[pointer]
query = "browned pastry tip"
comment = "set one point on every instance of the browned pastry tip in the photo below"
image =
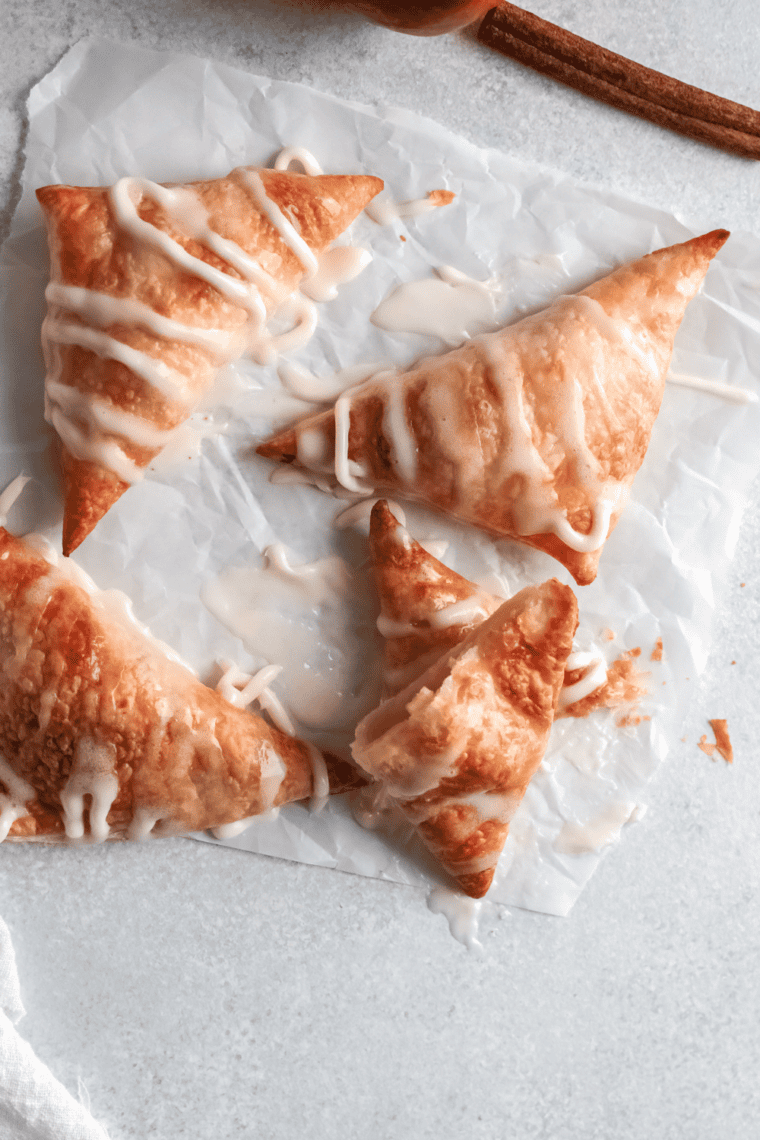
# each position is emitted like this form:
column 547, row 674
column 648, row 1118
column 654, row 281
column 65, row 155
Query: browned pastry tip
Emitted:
column 89, row 491
column 414, row 588
column 513, row 432
column 282, row 447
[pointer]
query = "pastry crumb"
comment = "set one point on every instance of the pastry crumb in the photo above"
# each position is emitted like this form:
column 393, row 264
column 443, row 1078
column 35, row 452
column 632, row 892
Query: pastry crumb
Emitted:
column 722, row 740
column 656, row 654
column 401, row 236
column 625, row 685
column 607, row 634
column 707, row 747
column 441, row 197
column 630, row 720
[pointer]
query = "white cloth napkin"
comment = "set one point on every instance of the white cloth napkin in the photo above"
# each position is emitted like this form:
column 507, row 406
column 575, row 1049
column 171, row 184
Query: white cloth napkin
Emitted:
column 33, row 1104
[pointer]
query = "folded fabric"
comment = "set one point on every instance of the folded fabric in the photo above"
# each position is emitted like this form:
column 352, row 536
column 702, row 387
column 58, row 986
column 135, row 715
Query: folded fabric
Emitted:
column 33, row 1104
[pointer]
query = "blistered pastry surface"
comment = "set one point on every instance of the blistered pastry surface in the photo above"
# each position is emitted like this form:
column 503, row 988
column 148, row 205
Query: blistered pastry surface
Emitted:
column 472, row 731
column 89, row 704
column 553, row 237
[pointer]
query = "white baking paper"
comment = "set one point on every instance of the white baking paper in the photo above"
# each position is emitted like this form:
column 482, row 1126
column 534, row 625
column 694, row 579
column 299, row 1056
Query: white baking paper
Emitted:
column 110, row 110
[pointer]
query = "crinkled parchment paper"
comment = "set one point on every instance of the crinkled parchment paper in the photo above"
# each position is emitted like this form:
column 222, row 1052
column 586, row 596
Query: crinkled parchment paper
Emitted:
column 107, row 111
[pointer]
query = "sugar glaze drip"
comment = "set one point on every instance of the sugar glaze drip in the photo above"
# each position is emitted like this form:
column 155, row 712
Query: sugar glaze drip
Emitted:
column 89, row 314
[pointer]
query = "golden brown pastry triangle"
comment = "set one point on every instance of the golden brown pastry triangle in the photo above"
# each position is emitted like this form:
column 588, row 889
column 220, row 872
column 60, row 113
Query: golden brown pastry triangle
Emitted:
column 103, row 734
column 535, row 432
column 152, row 289
column 457, row 748
column 425, row 607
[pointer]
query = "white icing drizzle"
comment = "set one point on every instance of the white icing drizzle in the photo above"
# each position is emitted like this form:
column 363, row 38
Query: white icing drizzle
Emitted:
column 435, row 546
column 92, row 774
column 390, row 628
column 335, row 267
column 601, row 513
column 13, row 802
column 452, row 307
column 48, row 697
column 290, row 154
column 265, row 348
column 185, row 209
column 312, row 450
column 593, row 679
column 103, row 416
column 314, row 619
column 499, row 806
column 230, row 830
column 371, row 807
column 610, row 329
column 229, row 684
column 460, row 613
column 360, row 512
column 296, row 476
column 255, row 688
column 87, row 446
column 271, row 704
column 143, row 821
column 714, row 387
column 304, row 385
column 321, row 781
column 101, row 309
column 386, row 211
column 285, row 228
column 462, row 914
column 273, row 772
column 346, row 471
column 463, row 612
column 397, row 429
column 154, row 372
column 537, row 511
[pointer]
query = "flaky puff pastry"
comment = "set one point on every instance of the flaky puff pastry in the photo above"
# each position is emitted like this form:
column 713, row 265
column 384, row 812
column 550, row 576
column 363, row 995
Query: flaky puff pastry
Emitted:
column 104, row 735
column 152, row 289
column 425, row 607
column 457, row 748
column 535, row 432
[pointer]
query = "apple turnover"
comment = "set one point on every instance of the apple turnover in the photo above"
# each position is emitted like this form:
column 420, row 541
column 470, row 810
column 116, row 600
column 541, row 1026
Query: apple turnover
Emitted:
column 534, row 432
column 426, row 608
column 152, row 289
column 457, row 748
column 104, row 734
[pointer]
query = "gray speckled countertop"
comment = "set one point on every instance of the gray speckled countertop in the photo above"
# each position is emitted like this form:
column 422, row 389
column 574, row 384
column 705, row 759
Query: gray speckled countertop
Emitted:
column 204, row 993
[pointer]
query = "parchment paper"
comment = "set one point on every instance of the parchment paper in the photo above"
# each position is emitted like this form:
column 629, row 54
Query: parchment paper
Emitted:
column 110, row 110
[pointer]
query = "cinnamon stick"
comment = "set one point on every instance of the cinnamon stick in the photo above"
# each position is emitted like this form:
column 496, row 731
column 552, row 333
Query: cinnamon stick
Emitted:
column 621, row 82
